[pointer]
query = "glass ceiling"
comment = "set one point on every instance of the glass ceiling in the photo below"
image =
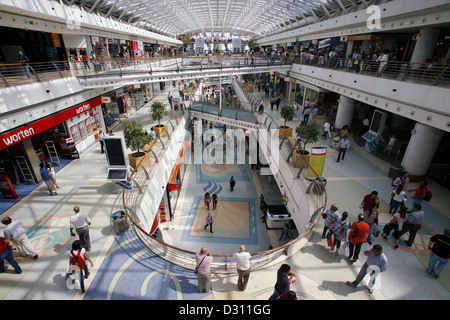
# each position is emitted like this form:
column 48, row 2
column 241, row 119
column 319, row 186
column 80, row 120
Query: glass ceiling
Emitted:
column 243, row 18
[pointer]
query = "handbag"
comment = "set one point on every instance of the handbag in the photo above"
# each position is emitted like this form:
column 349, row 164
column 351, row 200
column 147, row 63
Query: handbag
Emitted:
column 196, row 268
column 330, row 241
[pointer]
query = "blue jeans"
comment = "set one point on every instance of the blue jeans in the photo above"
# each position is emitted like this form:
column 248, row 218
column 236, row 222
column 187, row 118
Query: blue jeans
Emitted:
column 8, row 255
column 434, row 259
column 26, row 69
column 369, row 238
column 395, row 205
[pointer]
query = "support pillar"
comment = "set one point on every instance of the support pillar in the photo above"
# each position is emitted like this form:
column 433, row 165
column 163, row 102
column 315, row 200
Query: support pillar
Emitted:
column 425, row 45
column 344, row 113
column 421, row 149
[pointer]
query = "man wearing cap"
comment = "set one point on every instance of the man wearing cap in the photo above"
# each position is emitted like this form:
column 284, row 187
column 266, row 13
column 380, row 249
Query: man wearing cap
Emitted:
column 14, row 231
column 439, row 245
column 375, row 264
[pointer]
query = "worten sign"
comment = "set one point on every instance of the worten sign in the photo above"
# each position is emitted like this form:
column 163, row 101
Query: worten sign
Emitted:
column 27, row 131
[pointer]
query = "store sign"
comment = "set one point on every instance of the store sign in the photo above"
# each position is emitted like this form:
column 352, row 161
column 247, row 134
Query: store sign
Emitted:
column 27, row 131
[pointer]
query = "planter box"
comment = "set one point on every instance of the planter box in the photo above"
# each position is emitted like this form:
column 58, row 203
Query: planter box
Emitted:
column 161, row 131
column 285, row 132
column 300, row 160
column 136, row 160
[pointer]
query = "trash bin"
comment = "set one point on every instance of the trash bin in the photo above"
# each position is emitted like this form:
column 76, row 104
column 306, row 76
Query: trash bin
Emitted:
column 395, row 170
column 119, row 221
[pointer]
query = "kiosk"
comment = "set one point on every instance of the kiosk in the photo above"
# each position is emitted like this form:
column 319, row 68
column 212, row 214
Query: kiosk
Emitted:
column 277, row 216
column 373, row 136
column 118, row 165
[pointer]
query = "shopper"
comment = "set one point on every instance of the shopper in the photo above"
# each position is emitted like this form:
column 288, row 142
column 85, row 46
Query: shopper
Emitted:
column 232, row 183
column 344, row 145
column 369, row 201
column 283, row 284
column 215, row 199
column 101, row 139
column 77, row 262
column 439, row 245
column 47, row 179
column 398, row 198
column 357, row 236
column 243, row 267
column 420, row 194
column 395, row 224
column 24, row 60
column 376, row 263
column 209, row 222
column 203, row 261
column 339, row 231
column 81, row 222
column 371, row 218
column 51, row 170
column 330, row 216
column 6, row 253
column 14, row 231
column 326, row 130
column 207, row 200
column 413, row 224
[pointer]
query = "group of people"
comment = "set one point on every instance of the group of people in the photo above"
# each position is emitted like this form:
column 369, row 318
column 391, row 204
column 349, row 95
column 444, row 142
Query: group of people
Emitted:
column 15, row 238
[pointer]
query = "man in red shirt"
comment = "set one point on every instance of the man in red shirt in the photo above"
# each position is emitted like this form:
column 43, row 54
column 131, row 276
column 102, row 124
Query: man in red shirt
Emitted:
column 357, row 236
column 6, row 253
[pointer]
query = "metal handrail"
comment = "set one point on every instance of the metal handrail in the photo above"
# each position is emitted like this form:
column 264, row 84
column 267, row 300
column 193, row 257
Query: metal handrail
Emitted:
column 222, row 262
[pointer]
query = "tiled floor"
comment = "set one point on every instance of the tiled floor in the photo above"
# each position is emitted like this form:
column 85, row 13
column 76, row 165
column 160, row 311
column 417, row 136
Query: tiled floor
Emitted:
column 125, row 269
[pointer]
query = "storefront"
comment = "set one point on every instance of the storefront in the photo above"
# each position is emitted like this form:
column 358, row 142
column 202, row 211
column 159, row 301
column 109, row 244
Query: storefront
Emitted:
column 63, row 135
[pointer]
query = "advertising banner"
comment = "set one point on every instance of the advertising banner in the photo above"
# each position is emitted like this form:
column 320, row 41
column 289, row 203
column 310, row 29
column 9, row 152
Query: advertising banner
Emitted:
column 317, row 162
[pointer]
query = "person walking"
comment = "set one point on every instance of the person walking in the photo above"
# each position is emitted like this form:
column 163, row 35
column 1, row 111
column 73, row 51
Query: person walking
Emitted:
column 370, row 218
column 81, row 222
column 330, row 216
column 47, row 179
column 420, row 194
column 203, row 261
column 376, row 263
column 14, row 231
column 77, row 262
column 207, row 200
column 413, row 224
column 215, row 199
column 357, row 236
column 339, row 231
column 326, row 130
column 283, row 284
column 24, row 60
column 6, row 253
column 243, row 267
column 439, row 246
column 344, row 145
column 398, row 198
column 101, row 138
column 369, row 201
column 209, row 222
column 232, row 183
column 395, row 224
column 51, row 170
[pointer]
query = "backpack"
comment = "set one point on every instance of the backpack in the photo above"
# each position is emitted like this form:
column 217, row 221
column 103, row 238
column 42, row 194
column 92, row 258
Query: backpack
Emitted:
column 401, row 178
column 77, row 260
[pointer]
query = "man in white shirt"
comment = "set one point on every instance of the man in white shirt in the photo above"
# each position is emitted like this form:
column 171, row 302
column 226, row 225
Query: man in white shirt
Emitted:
column 81, row 222
column 243, row 267
column 344, row 144
column 152, row 134
column 326, row 130
column 15, row 232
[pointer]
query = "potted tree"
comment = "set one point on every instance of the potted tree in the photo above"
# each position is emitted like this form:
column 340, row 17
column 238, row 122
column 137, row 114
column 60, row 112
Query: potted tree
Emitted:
column 306, row 133
column 158, row 112
column 287, row 113
column 135, row 139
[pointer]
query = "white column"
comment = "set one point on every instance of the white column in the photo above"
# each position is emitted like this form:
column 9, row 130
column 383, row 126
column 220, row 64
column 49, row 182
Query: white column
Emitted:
column 425, row 45
column 421, row 149
column 344, row 113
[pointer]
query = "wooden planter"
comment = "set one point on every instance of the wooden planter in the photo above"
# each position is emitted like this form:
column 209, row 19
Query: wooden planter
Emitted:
column 161, row 130
column 136, row 158
column 301, row 160
column 285, row 132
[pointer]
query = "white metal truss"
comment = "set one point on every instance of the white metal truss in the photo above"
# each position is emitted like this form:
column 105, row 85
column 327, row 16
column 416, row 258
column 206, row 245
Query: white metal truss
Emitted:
column 248, row 18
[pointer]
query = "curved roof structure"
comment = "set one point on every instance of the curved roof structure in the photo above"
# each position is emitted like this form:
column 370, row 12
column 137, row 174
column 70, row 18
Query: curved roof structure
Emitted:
column 247, row 18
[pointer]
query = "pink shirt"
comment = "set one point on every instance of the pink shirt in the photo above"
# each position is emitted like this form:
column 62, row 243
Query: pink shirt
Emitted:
column 205, row 265
column 399, row 221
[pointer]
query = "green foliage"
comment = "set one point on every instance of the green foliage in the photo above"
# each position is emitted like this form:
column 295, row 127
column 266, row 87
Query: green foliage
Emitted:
column 158, row 111
column 287, row 113
column 308, row 133
column 135, row 136
column 252, row 43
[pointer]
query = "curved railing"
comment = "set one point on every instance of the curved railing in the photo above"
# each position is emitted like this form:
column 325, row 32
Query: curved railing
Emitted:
column 223, row 263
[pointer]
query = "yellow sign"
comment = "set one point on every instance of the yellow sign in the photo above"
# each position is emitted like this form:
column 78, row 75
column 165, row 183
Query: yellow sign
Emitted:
column 317, row 161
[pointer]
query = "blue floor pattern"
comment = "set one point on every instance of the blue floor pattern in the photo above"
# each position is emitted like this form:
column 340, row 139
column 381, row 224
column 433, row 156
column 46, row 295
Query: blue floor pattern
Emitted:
column 132, row 272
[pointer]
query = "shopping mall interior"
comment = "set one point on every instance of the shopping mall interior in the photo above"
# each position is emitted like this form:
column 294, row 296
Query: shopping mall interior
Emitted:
column 279, row 110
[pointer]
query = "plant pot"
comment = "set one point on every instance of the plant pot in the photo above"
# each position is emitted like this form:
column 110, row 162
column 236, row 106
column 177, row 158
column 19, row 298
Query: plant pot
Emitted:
column 301, row 158
column 285, row 132
column 161, row 130
column 136, row 158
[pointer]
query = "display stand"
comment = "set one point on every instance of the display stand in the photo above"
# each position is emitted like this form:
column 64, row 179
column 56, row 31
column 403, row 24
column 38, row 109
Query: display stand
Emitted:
column 118, row 164
column 373, row 136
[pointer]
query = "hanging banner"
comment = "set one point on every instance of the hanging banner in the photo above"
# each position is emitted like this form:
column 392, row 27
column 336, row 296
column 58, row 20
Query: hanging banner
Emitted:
column 317, row 162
